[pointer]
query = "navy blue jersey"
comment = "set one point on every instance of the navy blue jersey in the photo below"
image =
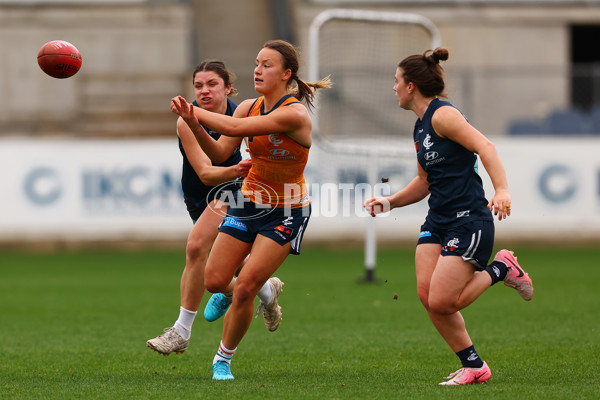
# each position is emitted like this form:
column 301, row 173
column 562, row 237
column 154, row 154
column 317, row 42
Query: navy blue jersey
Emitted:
column 196, row 194
column 457, row 194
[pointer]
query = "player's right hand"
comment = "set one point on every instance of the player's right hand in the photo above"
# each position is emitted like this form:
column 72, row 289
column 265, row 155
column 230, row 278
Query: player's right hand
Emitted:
column 185, row 110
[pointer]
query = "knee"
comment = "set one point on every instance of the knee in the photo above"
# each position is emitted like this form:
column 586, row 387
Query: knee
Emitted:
column 423, row 294
column 215, row 284
column 196, row 249
column 441, row 306
column 244, row 291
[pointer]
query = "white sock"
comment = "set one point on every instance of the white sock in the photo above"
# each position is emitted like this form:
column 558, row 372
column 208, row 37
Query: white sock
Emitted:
column 265, row 294
column 185, row 322
column 224, row 354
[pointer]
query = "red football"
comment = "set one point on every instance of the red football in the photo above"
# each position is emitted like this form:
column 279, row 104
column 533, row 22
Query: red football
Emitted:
column 59, row 59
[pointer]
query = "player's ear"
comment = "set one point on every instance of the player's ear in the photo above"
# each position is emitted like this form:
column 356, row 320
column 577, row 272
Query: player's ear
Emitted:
column 287, row 74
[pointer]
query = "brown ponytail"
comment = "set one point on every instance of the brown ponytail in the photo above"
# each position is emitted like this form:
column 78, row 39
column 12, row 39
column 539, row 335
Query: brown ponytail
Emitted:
column 305, row 90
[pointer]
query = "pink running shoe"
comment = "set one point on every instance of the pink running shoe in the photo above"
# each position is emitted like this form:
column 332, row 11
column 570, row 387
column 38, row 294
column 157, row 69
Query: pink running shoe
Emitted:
column 466, row 376
column 515, row 278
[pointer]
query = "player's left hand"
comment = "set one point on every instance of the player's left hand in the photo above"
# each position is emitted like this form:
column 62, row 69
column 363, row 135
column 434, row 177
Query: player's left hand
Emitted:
column 500, row 204
column 243, row 167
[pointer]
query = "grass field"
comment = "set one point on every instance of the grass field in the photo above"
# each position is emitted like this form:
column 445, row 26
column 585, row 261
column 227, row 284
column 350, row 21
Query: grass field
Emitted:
column 74, row 326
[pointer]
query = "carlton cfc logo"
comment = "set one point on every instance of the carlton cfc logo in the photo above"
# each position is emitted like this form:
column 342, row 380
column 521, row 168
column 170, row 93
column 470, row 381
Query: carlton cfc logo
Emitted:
column 452, row 244
column 427, row 143
column 274, row 138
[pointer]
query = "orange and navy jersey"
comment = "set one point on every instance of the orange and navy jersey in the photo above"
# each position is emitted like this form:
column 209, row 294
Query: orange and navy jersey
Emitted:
column 277, row 174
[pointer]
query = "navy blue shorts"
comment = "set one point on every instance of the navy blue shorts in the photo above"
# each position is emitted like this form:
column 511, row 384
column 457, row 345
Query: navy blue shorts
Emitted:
column 473, row 241
column 283, row 225
column 197, row 203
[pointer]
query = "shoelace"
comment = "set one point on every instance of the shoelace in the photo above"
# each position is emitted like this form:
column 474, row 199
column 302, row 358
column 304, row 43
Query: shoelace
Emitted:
column 222, row 368
column 455, row 374
column 223, row 302
column 170, row 331
column 262, row 307
column 259, row 309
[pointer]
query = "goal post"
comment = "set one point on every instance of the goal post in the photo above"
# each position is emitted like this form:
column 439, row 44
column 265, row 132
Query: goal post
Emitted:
column 343, row 14
column 359, row 117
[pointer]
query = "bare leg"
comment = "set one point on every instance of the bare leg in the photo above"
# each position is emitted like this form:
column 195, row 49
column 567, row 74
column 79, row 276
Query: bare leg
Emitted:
column 454, row 284
column 227, row 254
column 199, row 243
column 446, row 285
column 265, row 258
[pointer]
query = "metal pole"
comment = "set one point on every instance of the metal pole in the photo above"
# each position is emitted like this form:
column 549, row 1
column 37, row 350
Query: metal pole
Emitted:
column 371, row 231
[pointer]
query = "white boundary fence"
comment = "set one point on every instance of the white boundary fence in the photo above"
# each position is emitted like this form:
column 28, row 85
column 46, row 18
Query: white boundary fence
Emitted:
column 96, row 190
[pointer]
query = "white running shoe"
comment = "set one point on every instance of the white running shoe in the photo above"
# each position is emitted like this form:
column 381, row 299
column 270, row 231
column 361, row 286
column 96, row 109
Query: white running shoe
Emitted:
column 169, row 342
column 272, row 311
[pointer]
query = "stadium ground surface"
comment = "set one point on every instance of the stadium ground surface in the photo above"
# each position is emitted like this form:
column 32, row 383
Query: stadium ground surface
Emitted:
column 73, row 325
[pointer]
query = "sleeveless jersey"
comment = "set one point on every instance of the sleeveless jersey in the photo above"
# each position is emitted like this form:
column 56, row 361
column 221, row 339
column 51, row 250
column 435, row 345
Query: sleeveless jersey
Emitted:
column 456, row 190
column 196, row 192
column 276, row 178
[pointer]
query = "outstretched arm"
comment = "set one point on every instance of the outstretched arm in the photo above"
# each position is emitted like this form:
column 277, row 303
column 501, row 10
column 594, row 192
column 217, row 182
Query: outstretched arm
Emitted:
column 292, row 120
column 217, row 150
column 202, row 165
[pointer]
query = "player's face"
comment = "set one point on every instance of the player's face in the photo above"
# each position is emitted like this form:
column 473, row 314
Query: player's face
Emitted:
column 211, row 92
column 269, row 73
column 401, row 87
